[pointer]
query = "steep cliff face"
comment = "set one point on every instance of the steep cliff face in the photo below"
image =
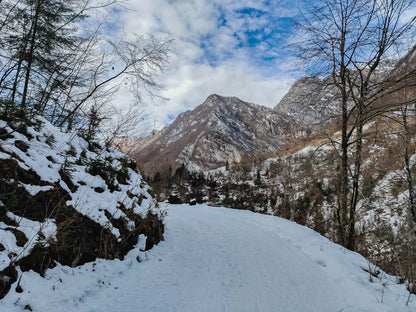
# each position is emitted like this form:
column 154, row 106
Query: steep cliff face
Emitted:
column 315, row 102
column 221, row 130
column 311, row 101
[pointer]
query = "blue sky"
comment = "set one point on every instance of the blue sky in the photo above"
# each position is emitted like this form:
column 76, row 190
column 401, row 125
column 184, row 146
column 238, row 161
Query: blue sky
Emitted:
column 228, row 47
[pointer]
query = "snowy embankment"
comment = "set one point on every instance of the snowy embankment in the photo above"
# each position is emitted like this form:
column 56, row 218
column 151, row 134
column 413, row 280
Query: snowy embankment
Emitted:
column 65, row 200
column 217, row 259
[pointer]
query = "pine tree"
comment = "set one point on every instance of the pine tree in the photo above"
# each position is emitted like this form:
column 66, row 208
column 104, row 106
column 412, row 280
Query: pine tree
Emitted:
column 40, row 44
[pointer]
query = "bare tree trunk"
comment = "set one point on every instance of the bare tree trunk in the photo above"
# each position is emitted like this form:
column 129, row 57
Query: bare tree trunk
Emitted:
column 344, row 172
column 355, row 187
column 34, row 29
column 342, row 86
column 16, row 79
column 407, row 166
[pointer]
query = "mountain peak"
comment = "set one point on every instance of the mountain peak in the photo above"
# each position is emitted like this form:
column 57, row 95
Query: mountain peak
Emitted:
column 220, row 99
column 214, row 97
column 217, row 97
column 221, row 130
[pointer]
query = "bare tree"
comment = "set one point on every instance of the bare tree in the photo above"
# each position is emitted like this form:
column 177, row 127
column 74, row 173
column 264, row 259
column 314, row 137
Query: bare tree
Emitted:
column 136, row 62
column 400, row 96
column 408, row 131
column 51, row 63
column 348, row 40
column 125, row 123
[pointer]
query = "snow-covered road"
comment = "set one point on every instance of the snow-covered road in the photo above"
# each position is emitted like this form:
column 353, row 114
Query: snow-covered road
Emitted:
column 217, row 259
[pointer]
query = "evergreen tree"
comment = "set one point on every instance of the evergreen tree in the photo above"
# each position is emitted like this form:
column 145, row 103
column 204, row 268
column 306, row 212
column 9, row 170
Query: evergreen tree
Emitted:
column 39, row 48
column 57, row 63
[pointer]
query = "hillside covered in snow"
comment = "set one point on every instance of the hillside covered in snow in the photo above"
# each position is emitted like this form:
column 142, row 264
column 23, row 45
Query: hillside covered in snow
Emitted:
column 65, row 201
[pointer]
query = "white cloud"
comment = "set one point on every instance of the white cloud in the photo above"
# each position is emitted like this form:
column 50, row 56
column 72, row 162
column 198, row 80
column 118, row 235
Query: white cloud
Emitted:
column 190, row 85
column 209, row 52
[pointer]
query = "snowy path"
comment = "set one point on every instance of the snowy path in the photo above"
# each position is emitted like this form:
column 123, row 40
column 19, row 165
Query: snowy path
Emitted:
column 219, row 262
column 217, row 259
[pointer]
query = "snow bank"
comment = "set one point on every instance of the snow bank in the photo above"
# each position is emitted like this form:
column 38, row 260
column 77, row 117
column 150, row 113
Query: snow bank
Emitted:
column 67, row 199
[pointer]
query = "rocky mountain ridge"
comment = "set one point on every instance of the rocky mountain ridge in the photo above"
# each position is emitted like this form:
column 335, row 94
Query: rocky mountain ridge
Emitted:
column 313, row 102
column 310, row 101
column 221, row 130
column 225, row 130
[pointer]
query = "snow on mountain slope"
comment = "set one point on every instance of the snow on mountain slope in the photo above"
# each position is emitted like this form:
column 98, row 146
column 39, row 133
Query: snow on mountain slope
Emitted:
column 217, row 259
column 315, row 102
column 222, row 129
column 311, row 102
